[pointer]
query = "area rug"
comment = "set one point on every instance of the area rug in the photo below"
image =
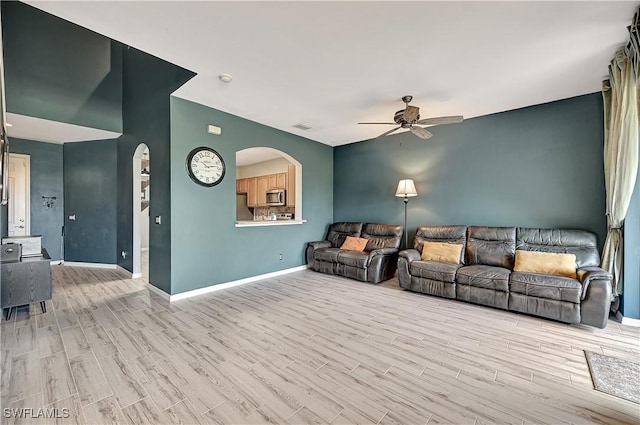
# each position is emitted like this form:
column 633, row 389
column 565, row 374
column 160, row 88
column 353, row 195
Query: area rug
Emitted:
column 615, row 376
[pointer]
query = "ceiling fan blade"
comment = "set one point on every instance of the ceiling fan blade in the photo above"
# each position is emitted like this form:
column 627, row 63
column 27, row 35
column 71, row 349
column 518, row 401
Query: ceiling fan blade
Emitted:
column 411, row 113
column 386, row 123
column 386, row 133
column 454, row 119
column 422, row 133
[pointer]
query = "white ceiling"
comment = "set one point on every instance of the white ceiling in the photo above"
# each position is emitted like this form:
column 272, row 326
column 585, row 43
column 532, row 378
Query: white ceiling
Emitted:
column 332, row 64
column 41, row 130
column 255, row 155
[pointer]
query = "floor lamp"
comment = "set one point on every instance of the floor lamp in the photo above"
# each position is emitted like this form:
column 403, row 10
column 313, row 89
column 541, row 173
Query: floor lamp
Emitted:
column 406, row 189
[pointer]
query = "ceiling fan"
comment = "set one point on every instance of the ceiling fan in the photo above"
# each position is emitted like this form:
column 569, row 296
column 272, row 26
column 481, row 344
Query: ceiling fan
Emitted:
column 409, row 117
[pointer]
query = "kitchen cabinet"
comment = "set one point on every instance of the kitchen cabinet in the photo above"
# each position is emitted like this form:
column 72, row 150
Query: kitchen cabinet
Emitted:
column 291, row 186
column 281, row 181
column 263, row 186
column 252, row 192
column 272, row 181
column 241, row 185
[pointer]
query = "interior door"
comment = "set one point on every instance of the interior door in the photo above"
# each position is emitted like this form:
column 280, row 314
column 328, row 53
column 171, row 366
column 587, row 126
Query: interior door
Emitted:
column 19, row 193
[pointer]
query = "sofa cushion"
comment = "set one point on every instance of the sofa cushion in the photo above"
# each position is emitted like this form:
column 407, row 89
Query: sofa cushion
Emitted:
column 339, row 231
column 434, row 270
column 354, row 244
column 354, row 259
column 329, row 255
column 442, row 252
column 579, row 242
column 448, row 234
column 488, row 277
column 381, row 236
column 556, row 264
column 545, row 286
column 491, row 246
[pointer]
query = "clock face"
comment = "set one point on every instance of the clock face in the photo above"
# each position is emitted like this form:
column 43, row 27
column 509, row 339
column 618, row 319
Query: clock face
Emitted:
column 205, row 166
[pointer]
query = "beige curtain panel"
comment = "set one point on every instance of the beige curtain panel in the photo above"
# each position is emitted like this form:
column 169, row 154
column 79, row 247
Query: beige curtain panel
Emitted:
column 620, row 95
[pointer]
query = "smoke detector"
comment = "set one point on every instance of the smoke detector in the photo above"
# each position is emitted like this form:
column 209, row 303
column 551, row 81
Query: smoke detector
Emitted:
column 302, row 127
column 225, row 78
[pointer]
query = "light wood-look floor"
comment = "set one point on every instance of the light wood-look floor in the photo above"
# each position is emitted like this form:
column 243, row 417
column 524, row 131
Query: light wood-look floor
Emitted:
column 301, row 348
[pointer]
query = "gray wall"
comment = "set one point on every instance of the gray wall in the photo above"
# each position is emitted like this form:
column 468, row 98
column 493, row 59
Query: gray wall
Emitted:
column 540, row 166
column 630, row 306
column 90, row 188
column 148, row 83
column 206, row 246
column 60, row 71
column 46, row 180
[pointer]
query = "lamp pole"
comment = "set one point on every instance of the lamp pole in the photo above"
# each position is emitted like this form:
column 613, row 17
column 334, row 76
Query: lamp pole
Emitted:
column 406, row 231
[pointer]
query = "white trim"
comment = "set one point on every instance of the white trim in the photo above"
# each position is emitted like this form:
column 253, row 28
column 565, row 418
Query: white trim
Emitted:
column 221, row 286
column 268, row 223
column 27, row 189
column 159, row 292
column 96, row 265
column 57, row 262
column 144, row 249
column 630, row 321
column 135, row 275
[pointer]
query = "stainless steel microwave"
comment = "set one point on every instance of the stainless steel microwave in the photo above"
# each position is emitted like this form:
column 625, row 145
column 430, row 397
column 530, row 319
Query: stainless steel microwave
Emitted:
column 276, row 197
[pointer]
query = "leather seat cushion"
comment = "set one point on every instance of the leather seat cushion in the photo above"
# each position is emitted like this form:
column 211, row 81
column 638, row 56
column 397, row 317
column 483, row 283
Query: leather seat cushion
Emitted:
column 434, row 270
column 546, row 286
column 354, row 259
column 488, row 277
column 329, row 255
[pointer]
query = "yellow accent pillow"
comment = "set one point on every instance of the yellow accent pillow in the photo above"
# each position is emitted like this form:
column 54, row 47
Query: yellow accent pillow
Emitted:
column 546, row 263
column 354, row 244
column 442, row 252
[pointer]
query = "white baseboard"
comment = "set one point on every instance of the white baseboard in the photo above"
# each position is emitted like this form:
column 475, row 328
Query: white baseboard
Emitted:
column 630, row 322
column 159, row 292
column 56, row 262
column 221, row 286
column 94, row 265
column 135, row 275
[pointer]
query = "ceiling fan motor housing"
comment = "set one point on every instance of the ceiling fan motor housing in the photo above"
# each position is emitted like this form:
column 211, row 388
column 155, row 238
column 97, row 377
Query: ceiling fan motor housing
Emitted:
column 408, row 116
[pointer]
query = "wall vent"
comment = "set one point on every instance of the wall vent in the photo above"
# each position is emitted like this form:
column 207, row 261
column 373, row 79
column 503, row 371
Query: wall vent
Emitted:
column 302, row 127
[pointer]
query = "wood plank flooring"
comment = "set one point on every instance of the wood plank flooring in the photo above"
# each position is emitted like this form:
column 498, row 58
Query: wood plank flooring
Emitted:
column 301, row 348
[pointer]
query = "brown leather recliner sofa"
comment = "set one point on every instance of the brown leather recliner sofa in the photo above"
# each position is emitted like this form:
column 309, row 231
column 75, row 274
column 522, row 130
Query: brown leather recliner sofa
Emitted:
column 378, row 262
column 485, row 274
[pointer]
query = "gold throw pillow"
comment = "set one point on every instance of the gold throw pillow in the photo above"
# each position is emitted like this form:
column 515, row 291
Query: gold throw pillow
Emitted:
column 442, row 252
column 546, row 263
column 354, row 244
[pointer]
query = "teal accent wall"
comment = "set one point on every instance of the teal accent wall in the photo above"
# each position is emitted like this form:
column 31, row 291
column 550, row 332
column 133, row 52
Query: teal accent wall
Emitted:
column 630, row 305
column 540, row 166
column 90, row 194
column 207, row 247
column 148, row 84
column 46, row 180
column 60, row 71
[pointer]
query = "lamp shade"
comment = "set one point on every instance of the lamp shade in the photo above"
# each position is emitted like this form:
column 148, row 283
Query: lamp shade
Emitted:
column 406, row 189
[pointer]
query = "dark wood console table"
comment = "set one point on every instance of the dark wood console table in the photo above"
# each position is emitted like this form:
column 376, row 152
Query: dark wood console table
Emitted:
column 24, row 282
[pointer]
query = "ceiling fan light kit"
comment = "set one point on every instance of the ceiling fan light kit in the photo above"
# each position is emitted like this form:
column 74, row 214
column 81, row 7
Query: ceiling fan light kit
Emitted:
column 409, row 117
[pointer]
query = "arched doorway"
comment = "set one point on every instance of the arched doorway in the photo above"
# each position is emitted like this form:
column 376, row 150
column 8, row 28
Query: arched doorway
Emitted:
column 141, row 200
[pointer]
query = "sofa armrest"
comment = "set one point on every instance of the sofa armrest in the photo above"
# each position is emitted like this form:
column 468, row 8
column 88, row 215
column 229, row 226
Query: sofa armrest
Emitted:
column 311, row 248
column 383, row 251
column 587, row 275
column 410, row 255
column 319, row 244
column 405, row 258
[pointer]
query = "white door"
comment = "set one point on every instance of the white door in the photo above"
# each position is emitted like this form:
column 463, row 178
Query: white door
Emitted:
column 19, row 193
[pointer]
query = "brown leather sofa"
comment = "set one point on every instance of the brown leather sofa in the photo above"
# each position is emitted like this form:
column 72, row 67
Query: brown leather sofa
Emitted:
column 485, row 274
column 378, row 262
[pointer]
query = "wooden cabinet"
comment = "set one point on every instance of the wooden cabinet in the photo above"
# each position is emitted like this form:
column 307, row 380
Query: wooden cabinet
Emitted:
column 25, row 282
column 252, row 192
column 241, row 185
column 263, row 186
column 272, row 181
column 281, row 181
column 291, row 186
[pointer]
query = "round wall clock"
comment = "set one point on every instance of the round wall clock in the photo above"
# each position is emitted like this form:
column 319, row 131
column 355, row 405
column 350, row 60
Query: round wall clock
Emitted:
column 205, row 166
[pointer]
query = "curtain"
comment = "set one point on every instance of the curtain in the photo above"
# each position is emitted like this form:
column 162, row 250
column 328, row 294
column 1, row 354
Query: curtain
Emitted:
column 620, row 96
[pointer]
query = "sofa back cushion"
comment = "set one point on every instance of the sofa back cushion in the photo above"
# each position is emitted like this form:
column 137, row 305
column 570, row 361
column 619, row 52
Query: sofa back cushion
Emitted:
column 382, row 236
column 447, row 234
column 491, row 246
column 339, row 231
column 579, row 242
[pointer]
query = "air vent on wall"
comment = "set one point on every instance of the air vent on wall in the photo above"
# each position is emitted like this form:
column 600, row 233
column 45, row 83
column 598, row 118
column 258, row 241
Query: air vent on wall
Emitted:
column 302, row 127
